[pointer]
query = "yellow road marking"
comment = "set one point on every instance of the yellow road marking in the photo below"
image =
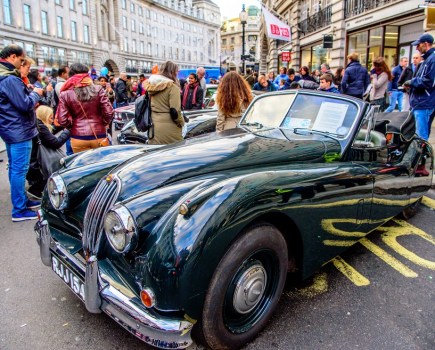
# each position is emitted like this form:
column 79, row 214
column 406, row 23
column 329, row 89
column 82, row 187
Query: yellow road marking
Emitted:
column 428, row 202
column 319, row 286
column 405, row 229
column 336, row 243
column 390, row 260
column 353, row 275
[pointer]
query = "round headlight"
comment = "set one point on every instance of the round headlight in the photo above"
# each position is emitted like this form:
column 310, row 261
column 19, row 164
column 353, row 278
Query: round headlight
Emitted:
column 57, row 192
column 120, row 229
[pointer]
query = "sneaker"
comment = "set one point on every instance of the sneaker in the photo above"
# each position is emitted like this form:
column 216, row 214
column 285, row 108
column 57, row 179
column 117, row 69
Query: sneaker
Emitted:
column 33, row 204
column 37, row 196
column 24, row 215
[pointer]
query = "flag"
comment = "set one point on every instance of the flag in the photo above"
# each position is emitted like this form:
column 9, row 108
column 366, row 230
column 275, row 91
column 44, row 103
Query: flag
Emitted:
column 276, row 29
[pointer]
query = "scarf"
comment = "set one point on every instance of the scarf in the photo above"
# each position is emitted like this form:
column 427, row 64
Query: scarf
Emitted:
column 378, row 71
column 186, row 94
column 77, row 81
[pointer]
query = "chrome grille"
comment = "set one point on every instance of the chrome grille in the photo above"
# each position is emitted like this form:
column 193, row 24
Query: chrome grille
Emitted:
column 102, row 200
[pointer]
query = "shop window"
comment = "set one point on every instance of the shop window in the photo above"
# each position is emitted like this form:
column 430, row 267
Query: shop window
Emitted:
column 391, row 36
column 390, row 56
column 375, row 37
column 374, row 52
column 358, row 43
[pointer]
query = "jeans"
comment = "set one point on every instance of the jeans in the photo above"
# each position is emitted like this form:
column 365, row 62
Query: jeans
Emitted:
column 423, row 122
column 19, row 160
column 395, row 96
column 68, row 147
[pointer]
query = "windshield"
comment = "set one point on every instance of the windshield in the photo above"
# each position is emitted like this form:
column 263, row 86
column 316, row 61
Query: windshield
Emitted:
column 317, row 112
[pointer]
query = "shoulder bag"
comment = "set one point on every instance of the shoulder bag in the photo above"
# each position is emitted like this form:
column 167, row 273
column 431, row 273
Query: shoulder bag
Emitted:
column 49, row 159
column 101, row 143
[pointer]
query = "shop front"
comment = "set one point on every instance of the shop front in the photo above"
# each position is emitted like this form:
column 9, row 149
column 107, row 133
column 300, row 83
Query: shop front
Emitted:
column 314, row 55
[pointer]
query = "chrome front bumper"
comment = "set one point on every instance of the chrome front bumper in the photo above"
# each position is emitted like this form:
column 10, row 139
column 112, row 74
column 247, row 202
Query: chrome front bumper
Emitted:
column 100, row 296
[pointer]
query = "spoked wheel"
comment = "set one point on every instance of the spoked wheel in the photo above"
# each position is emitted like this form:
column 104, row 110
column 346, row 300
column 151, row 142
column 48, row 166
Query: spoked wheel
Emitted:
column 244, row 289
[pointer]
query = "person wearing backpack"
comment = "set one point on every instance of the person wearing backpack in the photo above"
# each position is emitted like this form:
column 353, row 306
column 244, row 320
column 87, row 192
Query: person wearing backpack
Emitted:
column 164, row 92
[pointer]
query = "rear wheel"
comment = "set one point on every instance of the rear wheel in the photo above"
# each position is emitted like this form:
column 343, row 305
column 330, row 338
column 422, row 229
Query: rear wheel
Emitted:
column 244, row 289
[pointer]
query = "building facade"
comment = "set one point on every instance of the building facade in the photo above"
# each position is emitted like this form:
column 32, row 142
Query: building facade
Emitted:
column 370, row 27
column 122, row 35
column 232, row 41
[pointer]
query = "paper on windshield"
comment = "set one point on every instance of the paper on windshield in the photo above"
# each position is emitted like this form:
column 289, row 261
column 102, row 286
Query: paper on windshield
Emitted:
column 330, row 117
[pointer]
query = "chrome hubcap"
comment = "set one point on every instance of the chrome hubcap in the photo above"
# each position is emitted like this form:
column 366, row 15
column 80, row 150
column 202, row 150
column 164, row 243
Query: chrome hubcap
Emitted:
column 249, row 289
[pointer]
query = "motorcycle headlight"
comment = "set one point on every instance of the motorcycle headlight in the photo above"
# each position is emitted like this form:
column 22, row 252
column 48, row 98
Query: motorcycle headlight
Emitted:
column 120, row 229
column 57, row 192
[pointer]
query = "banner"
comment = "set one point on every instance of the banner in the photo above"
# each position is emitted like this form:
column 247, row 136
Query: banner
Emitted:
column 276, row 29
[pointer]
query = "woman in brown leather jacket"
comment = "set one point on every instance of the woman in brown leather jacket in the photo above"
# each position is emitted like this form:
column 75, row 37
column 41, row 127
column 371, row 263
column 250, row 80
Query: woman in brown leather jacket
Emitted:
column 85, row 109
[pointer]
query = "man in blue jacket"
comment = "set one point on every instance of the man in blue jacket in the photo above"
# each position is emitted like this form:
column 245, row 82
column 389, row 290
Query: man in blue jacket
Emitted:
column 356, row 79
column 422, row 87
column 396, row 95
column 17, row 128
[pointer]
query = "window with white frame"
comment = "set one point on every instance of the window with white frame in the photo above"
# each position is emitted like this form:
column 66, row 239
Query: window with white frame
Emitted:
column 72, row 4
column 59, row 26
column 133, row 25
column 86, row 34
column 141, row 28
column 142, row 48
column 133, row 46
column 27, row 17
column 139, row 10
column 7, row 11
column 73, row 30
column 44, row 22
column 85, row 7
column 124, row 4
column 124, row 22
column 132, row 7
column 149, row 49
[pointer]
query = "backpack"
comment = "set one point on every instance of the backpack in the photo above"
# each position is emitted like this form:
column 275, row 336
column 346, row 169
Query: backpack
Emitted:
column 142, row 115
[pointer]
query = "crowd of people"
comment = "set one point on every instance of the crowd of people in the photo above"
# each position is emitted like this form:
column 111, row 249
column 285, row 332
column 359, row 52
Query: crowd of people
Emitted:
column 81, row 104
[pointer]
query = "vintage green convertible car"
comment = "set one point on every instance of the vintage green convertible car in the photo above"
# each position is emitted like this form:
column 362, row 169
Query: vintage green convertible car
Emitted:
column 198, row 237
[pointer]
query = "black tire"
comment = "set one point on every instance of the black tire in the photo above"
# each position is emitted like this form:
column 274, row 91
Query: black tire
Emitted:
column 257, row 262
column 411, row 210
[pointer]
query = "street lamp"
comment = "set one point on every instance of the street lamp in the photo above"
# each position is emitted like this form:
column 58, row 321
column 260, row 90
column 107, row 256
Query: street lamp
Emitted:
column 243, row 19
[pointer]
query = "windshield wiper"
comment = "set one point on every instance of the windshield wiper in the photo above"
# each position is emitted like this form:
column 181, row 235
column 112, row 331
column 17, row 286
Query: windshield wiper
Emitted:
column 306, row 131
column 257, row 124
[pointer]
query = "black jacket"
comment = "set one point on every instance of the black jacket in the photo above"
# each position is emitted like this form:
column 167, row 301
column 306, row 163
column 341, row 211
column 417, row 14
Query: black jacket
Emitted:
column 121, row 91
column 406, row 75
column 48, row 139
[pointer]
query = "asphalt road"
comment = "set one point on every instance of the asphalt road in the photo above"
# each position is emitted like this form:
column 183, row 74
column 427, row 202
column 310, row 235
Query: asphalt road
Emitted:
column 378, row 295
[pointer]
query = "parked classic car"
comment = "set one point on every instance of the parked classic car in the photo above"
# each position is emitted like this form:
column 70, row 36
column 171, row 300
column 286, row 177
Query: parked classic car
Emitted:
column 198, row 237
column 124, row 114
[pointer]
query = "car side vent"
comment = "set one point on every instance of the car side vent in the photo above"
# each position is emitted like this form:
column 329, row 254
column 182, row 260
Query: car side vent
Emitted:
column 102, row 200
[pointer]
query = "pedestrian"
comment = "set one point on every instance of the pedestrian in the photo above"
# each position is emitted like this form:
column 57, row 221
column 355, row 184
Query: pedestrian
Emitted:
column 315, row 74
column 282, row 84
column 282, row 75
column 35, row 78
column 292, row 77
column 264, row 85
column 200, row 72
column 338, row 76
column 130, row 90
column 121, row 93
column 25, row 70
column 422, row 89
column 356, row 78
column 380, row 76
column 193, row 96
column 140, row 89
column 165, row 105
column 407, row 74
column 17, row 128
column 85, row 109
column 233, row 97
column 271, row 76
column 104, row 82
column 396, row 95
column 44, row 115
column 326, row 84
column 325, row 69
column 250, row 77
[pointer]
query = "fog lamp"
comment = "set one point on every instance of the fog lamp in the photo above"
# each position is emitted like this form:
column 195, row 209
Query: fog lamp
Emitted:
column 147, row 297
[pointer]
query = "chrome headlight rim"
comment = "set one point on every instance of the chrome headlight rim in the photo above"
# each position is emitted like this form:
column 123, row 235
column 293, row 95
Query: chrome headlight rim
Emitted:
column 125, row 219
column 59, row 190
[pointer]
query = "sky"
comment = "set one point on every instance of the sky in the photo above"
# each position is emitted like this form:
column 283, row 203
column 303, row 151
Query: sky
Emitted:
column 232, row 8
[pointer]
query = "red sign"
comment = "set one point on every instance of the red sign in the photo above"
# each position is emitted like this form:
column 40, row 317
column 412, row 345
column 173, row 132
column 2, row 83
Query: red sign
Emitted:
column 285, row 32
column 274, row 29
column 286, row 56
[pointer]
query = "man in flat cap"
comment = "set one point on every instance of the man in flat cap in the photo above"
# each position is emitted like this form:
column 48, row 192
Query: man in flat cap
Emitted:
column 422, row 86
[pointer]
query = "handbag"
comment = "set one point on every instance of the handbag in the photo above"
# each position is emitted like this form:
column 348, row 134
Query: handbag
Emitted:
column 49, row 159
column 142, row 115
column 101, row 143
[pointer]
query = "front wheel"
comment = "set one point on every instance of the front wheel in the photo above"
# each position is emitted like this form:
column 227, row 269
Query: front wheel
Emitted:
column 245, row 288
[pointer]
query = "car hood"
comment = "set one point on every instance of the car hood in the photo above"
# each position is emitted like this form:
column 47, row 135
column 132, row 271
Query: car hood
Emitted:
column 224, row 152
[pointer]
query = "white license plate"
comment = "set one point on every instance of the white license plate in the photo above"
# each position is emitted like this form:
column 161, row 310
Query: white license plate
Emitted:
column 68, row 277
